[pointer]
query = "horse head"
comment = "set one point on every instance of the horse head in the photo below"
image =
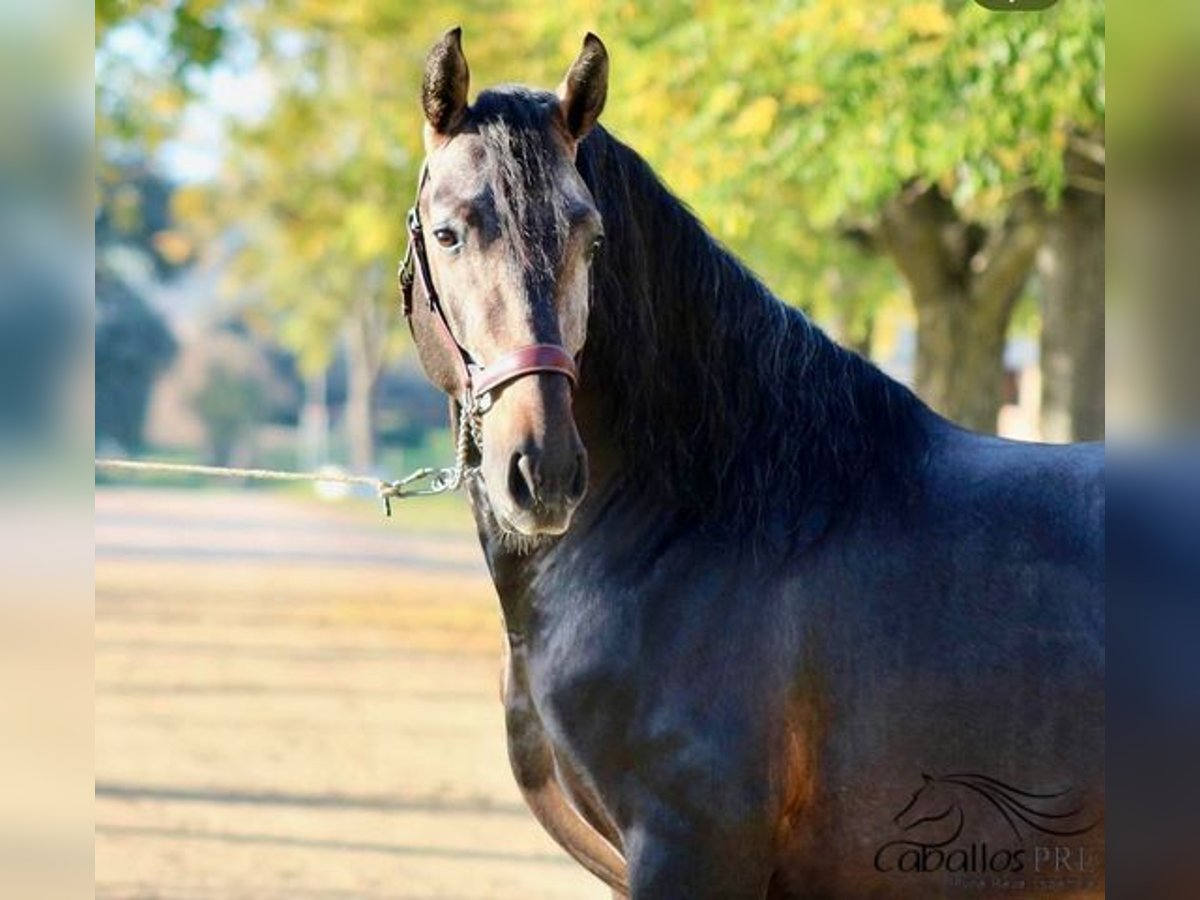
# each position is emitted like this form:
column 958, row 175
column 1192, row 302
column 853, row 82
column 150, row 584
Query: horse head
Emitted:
column 509, row 230
column 933, row 801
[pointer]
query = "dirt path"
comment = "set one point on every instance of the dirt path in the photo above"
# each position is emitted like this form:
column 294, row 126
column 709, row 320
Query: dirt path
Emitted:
column 294, row 700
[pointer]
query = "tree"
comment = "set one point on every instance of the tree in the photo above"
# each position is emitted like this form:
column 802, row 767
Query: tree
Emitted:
column 133, row 346
column 965, row 280
column 789, row 124
column 136, row 245
column 786, row 125
column 148, row 54
column 230, row 403
column 1071, row 266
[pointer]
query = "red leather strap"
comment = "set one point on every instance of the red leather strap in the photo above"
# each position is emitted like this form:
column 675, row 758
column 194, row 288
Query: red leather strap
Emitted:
column 519, row 363
column 453, row 347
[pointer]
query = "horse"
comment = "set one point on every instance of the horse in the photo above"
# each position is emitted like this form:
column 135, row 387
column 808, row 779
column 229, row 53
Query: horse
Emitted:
column 750, row 585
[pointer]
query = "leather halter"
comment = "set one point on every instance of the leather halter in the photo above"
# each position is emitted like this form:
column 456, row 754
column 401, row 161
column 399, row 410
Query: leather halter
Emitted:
column 477, row 381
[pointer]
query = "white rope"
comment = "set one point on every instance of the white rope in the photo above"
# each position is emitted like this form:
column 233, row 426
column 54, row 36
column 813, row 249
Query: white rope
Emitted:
column 130, row 465
column 442, row 479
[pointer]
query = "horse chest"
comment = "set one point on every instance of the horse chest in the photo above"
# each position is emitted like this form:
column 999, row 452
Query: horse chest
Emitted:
column 646, row 689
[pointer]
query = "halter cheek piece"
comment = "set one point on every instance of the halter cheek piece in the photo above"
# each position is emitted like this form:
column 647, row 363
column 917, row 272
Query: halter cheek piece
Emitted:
column 477, row 381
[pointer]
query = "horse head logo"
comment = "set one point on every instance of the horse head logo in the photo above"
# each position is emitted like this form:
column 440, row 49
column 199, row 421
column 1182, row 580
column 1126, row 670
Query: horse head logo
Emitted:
column 932, row 803
column 938, row 807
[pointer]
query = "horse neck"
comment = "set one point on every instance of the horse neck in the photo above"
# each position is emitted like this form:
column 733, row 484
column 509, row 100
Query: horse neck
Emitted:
column 700, row 380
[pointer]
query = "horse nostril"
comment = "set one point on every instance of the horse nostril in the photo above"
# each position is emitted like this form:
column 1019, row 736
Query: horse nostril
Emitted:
column 535, row 487
column 579, row 479
column 522, row 480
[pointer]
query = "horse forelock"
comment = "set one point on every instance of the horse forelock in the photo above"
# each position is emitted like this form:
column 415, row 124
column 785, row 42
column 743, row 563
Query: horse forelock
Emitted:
column 522, row 168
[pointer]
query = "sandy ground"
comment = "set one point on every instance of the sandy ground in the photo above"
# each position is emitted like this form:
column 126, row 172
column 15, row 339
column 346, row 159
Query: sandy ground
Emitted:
column 297, row 699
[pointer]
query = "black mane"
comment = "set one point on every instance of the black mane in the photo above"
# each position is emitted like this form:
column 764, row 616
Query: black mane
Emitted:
column 722, row 399
column 729, row 398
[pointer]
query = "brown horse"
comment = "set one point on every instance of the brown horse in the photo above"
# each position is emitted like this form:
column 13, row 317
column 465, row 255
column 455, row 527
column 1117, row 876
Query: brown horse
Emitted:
column 752, row 588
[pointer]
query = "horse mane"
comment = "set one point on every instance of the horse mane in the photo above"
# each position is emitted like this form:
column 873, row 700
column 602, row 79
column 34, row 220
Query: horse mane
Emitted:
column 726, row 396
column 719, row 397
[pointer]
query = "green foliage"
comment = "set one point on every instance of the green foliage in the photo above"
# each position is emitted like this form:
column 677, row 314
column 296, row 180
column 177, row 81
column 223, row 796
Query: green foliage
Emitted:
column 779, row 122
column 148, row 54
column 230, row 404
column 194, row 30
column 135, row 236
column 134, row 211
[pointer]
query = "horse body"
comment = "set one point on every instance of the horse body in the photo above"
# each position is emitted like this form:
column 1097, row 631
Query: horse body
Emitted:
column 754, row 721
column 739, row 711
column 790, row 587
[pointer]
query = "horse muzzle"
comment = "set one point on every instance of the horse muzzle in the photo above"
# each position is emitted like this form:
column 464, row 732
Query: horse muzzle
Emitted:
column 534, row 463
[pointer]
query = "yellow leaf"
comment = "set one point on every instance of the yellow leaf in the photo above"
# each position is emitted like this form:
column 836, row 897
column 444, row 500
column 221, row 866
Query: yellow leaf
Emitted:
column 172, row 246
column 188, row 203
column 369, row 227
column 925, row 20
column 724, row 98
column 756, row 118
column 806, row 94
column 1009, row 159
column 851, row 27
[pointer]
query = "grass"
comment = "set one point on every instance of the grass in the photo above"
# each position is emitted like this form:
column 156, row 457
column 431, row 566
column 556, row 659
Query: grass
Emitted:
column 447, row 513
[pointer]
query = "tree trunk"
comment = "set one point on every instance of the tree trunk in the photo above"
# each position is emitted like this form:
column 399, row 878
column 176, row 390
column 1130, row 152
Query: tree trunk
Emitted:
column 965, row 280
column 314, row 422
column 360, row 414
column 960, row 355
column 1071, row 266
column 366, row 343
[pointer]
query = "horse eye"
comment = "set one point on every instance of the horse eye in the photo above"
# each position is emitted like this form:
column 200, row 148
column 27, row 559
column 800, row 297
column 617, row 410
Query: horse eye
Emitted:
column 595, row 247
column 446, row 237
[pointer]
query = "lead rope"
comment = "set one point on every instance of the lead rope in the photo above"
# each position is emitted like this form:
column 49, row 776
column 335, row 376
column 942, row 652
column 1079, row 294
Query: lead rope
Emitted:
column 468, row 431
column 441, row 481
column 451, row 478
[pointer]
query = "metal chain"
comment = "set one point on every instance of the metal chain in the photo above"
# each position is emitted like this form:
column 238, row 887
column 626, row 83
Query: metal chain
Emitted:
column 450, row 478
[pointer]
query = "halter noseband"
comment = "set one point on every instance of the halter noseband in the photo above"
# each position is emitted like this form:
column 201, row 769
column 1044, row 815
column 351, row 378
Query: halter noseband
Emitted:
column 477, row 381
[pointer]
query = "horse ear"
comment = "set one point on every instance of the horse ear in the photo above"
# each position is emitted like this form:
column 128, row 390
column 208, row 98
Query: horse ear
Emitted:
column 583, row 91
column 444, row 90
